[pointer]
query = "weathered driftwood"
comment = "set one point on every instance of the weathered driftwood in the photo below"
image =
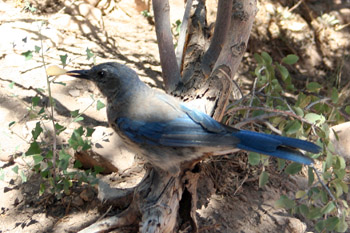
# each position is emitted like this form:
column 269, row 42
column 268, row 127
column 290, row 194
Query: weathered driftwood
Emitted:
column 207, row 81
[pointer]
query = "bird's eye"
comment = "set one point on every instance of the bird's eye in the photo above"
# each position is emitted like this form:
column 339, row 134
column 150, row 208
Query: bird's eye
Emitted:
column 101, row 73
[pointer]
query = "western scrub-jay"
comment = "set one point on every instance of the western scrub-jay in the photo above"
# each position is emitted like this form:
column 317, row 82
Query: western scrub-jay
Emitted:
column 167, row 132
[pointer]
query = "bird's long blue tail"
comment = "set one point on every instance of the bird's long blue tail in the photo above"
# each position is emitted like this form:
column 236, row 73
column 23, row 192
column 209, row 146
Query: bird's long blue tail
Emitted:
column 277, row 146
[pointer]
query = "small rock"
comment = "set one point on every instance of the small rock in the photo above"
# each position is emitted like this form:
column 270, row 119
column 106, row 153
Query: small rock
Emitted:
column 74, row 93
column 87, row 195
column 341, row 146
column 77, row 201
column 6, row 157
column 295, row 226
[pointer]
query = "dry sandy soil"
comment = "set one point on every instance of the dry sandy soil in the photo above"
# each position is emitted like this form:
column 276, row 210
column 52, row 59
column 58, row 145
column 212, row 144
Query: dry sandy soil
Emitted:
column 229, row 197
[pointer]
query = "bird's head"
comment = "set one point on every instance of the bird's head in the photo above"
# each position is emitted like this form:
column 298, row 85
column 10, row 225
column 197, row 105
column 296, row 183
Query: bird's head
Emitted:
column 111, row 78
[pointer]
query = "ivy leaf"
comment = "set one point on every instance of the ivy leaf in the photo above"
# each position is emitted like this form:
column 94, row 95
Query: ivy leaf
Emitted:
column 15, row 169
column 37, row 49
column 100, row 105
column 37, row 130
column 28, row 55
column 35, row 100
column 89, row 131
column 33, row 149
column 37, row 159
column 290, row 59
column 63, row 59
column 78, row 119
column 74, row 113
column 89, row 54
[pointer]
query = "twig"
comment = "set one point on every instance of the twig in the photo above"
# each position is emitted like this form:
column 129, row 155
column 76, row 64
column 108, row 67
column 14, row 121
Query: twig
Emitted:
column 54, row 144
column 295, row 6
column 280, row 112
column 326, row 188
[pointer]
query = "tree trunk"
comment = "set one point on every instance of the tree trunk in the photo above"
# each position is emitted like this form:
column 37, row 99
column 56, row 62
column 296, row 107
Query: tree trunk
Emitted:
column 161, row 202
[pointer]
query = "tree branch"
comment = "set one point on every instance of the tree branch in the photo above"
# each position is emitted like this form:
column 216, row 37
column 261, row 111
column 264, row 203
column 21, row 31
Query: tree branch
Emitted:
column 222, row 25
column 171, row 71
column 183, row 34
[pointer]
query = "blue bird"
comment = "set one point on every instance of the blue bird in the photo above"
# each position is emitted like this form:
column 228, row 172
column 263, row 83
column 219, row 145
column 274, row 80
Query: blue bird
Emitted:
column 167, row 132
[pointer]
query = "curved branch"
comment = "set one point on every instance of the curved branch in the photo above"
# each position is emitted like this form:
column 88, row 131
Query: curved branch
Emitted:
column 222, row 26
column 183, row 34
column 171, row 71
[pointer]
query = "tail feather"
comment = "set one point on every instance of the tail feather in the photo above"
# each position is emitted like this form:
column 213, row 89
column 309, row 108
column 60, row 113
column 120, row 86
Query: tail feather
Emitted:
column 277, row 146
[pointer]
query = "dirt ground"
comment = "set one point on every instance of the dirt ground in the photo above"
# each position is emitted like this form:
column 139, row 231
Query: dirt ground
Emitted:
column 229, row 198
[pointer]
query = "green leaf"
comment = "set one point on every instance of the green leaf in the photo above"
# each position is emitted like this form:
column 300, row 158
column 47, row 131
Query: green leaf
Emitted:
column 347, row 109
column 23, row 176
column 12, row 123
column 78, row 119
column 63, row 160
column 290, row 59
column 74, row 113
column 100, row 105
column 37, row 49
column 37, row 159
column 335, row 95
column 33, row 149
column 331, row 223
column 253, row 158
column 313, row 86
column 15, row 169
column 263, row 178
column 28, row 55
column 63, row 59
column 342, row 225
column 267, row 58
column 89, row 54
column 59, row 128
column 293, row 127
column 314, row 118
column 283, row 71
column 311, row 176
column 328, row 208
column 98, row 169
column 281, row 163
column 285, row 202
column 42, row 189
column 89, row 131
column 77, row 164
column 258, row 58
column 314, row 213
column 299, row 111
column 2, row 174
column 300, row 194
column 37, row 130
column 13, row 83
column 304, row 210
column 293, row 168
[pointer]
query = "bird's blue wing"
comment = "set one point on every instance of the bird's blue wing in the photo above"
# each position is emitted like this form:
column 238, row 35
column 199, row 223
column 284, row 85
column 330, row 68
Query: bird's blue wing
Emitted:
column 179, row 132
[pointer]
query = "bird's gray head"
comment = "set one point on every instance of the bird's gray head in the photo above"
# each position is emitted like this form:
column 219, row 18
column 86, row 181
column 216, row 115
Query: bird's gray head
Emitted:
column 111, row 78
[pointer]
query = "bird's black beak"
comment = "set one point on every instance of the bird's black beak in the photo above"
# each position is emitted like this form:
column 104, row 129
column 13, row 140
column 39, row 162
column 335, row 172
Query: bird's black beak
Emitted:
column 83, row 74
